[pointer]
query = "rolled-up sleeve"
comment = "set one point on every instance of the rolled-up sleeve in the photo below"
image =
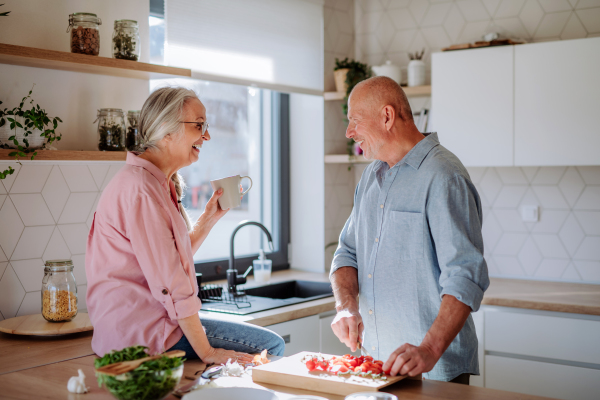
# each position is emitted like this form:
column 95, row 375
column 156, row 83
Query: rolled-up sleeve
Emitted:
column 454, row 216
column 151, row 236
column 345, row 255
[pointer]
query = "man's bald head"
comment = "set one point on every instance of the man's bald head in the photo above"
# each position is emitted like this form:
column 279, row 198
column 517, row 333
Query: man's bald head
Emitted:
column 380, row 91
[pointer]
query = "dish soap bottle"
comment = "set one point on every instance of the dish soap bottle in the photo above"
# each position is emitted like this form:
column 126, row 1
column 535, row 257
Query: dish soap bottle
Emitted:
column 262, row 268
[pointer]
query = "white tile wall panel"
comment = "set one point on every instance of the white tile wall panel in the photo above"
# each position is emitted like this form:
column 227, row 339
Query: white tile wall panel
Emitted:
column 510, row 196
column 571, row 274
column 550, row 197
column 2, row 198
column 79, row 269
column 56, row 192
column 589, row 249
column 98, row 172
column 476, row 173
column 590, row 175
column 552, row 268
column 589, row 270
column 510, row 244
column 585, row 3
column 2, row 259
column 571, row 234
column 32, row 242
column 2, row 190
column 10, row 179
column 530, row 172
column 31, row 178
column 491, row 185
column 571, row 185
column 12, row 293
column 590, row 19
column 3, row 265
column 531, row 15
column 511, row 176
column 29, row 272
column 552, row 25
column 509, row 266
column 510, row 220
column 548, row 175
column 32, row 209
column 574, row 28
column 530, row 257
column 78, row 208
column 12, row 227
column 509, row 8
column 57, row 248
column 78, row 178
column 556, row 5
column 550, row 246
column 75, row 236
column 32, row 303
column 589, row 199
column 589, row 221
column 454, row 23
column 551, row 221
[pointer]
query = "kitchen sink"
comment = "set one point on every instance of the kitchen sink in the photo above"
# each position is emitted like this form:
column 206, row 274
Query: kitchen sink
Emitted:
column 267, row 297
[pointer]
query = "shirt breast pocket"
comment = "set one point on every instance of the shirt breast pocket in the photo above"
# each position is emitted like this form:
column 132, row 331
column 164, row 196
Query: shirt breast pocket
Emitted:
column 406, row 234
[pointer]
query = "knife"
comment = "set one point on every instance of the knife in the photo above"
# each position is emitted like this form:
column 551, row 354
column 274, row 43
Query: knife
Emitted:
column 361, row 347
column 204, row 378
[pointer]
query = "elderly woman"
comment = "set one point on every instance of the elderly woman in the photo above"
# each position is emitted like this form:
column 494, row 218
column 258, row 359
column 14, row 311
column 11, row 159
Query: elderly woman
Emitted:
column 142, row 286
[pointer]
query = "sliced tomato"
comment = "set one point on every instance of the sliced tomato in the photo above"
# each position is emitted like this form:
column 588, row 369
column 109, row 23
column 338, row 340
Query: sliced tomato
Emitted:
column 310, row 364
column 379, row 362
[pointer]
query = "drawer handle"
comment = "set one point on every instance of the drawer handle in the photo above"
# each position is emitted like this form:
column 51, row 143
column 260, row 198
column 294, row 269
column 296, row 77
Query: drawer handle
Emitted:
column 287, row 338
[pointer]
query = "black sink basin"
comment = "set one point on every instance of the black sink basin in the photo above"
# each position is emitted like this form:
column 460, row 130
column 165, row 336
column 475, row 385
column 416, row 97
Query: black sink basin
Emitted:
column 287, row 290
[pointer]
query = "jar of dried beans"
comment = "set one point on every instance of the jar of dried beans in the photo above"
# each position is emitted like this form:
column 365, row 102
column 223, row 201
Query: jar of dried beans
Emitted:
column 85, row 36
column 59, row 291
column 111, row 129
column 133, row 139
column 126, row 40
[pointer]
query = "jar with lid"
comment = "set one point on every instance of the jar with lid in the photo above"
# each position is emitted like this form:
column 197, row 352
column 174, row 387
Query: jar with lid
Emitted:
column 126, row 40
column 59, row 291
column 85, row 36
column 133, row 138
column 111, row 129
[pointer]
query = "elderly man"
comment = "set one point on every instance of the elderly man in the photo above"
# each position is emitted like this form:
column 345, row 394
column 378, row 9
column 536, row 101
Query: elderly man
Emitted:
column 412, row 247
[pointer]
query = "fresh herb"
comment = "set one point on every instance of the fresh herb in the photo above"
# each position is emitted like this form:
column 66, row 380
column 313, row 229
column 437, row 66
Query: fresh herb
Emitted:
column 124, row 46
column 4, row 14
column 416, row 55
column 152, row 380
column 27, row 117
column 111, row 137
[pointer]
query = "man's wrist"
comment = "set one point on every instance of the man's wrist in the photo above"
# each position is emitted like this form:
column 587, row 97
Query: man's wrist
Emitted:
column 432, row 346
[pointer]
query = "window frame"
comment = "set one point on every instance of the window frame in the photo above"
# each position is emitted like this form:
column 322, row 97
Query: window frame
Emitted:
column 216, row 269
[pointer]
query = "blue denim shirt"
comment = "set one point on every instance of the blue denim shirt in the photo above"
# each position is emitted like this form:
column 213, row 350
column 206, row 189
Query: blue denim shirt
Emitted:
column 414, row 235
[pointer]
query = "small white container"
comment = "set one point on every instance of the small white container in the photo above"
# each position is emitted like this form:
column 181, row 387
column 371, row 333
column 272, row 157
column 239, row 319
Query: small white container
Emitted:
column 416, row 73
column 262, row 268
column 390, row 70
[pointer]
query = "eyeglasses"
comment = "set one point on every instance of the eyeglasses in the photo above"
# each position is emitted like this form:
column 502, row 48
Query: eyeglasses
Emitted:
column 200, row 125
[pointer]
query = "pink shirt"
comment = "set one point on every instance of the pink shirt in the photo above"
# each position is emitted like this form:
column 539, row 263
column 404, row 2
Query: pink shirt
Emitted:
column 139, row 263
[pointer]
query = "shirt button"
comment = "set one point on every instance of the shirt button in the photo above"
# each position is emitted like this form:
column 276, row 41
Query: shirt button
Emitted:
column 165, row 291
column 376, row 240
column 381, row 206
column 373, row 348
column 370, row 276
column 370, row 311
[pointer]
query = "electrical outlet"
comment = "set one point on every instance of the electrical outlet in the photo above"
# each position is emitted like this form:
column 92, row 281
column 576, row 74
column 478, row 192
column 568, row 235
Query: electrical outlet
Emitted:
column 530, row 213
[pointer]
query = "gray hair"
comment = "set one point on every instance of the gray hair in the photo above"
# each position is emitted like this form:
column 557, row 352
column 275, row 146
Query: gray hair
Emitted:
column 159, row 117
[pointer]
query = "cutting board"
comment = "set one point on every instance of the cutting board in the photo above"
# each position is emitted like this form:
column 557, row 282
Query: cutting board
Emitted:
column 291, row 372
column 36, row 325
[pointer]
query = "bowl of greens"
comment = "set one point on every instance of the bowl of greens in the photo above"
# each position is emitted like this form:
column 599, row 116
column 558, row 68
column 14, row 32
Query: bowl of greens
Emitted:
column 153, row 380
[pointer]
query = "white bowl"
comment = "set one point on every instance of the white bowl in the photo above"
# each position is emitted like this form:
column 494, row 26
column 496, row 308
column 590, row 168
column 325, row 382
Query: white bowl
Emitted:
column 234, row 393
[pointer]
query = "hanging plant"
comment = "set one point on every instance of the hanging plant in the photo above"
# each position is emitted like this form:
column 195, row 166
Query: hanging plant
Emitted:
column 4, row 14
column 24, row 122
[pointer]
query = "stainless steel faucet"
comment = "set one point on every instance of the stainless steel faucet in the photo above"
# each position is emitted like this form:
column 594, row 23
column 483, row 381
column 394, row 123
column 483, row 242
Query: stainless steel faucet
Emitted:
column 232, row 274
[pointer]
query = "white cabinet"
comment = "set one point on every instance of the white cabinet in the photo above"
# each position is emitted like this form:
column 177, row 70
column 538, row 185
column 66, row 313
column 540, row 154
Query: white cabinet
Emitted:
column 478, row 320
column 557, row 96
column 472, row 104
column 299, row 334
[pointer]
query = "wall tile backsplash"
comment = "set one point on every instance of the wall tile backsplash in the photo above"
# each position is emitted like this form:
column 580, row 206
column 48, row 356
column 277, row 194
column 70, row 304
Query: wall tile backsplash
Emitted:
column 46, row 210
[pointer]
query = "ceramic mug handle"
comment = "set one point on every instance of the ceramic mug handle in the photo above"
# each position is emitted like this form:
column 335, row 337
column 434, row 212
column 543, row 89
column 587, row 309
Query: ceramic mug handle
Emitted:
column 250, row 187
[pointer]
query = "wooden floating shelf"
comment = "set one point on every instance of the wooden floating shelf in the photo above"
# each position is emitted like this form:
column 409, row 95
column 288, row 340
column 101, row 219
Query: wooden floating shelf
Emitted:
column 70, row 155
column 412, row 91
column 61, row 60
column 345, row 159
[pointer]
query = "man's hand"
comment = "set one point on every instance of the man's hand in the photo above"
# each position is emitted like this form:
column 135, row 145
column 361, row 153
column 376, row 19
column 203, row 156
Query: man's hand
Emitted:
column 348, row 327
column 411, row 360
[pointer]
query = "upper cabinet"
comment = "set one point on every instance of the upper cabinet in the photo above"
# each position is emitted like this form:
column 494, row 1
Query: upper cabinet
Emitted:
column 557, row 103
column 472, row 104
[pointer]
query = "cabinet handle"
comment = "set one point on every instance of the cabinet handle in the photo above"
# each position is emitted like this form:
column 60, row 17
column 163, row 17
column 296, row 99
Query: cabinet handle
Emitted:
column 287, row 338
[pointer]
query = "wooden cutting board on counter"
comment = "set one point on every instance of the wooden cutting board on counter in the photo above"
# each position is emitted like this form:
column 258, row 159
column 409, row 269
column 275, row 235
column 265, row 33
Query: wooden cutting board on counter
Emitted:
column 36, row 325
column 291, row 372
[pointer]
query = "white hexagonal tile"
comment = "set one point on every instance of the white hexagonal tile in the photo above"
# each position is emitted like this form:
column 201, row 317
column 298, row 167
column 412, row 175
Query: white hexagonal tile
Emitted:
column 331, row 35
column 590, row 19
column 529, row 199
column 550, row 246
column 2, row 190
column 78, row 178
column 75, row 236
column 510, row 196
column 10, row 179
column 556, row 5
column 509, row 265
column 589, row 249
column 369, row 5
column 509, row 8
column 550, row 197
column 56, row 192
column 550, row 268
column 436, row 38
column 589, row 221
column 571, row 273
column 31, row 178
column 32, row 209
column 492, row 268
column 590, row 175
column 402, row 19
column 57, row 248
column 552, row 25
column 10, row 237
column 418, row 9
column 368, row 22
column 550, row 221
column 32, row 242
column 473, row 10
column 511, row 175
column 30, row 273
column 79, row 269
column 385, row 32
column 78, row 208
column 491, row 185
column 435, row 14
column 344, row 43
column 589, row 199
column 510, row 244
column 530, row 172
column 98, row 172
column 589, row 270
column 579, row 4
column 398, row 4
column 12, row 293
column 513, row 27
column 2, row 259
column 571, row 234
column 473, row 31
column 32, row 304
column 548, row 175
column 574, row 29
column 510, row 220
column 571, row 185
column 2, row 198
column 530, row 257
column 3, row 266
column 531, row 15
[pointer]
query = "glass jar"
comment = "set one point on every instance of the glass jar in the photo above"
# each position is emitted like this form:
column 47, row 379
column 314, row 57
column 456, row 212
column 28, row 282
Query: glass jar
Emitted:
column 59, row 291
column 111, row 129
column 133, row 138
column 126, row 40
column 85, row 36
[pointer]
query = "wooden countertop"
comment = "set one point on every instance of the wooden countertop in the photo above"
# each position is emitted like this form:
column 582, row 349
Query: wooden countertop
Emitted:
column 574, row 298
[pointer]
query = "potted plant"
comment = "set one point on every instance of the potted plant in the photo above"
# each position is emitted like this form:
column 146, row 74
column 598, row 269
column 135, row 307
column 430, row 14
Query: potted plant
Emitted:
column 26, row 128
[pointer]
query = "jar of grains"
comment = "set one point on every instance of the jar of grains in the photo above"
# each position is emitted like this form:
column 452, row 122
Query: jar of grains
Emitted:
column 133, row 138
column 126, row 40
column 85, row 36
column 59, row 291
column 111, row 129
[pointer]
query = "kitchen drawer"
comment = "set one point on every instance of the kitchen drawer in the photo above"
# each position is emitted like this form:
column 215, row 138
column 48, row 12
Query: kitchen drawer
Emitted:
column 545, row 336
column 541, row 379
column 299, row 334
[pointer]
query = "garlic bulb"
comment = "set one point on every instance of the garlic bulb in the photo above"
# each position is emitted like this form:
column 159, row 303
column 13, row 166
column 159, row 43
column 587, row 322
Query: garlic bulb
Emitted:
column 77, row 383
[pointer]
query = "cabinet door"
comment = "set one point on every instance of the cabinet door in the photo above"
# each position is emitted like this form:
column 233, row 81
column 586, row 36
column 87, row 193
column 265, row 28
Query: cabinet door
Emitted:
column 299, row 334
column 330, row 344
column 557, row 93
column 472, row 104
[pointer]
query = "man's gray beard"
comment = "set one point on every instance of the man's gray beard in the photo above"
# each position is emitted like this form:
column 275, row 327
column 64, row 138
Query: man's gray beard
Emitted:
column 372, row 154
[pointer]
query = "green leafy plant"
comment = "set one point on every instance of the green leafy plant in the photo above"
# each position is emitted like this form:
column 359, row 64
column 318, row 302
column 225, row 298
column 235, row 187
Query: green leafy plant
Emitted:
column 152, row 380
column 28, row 117
column 4, row 14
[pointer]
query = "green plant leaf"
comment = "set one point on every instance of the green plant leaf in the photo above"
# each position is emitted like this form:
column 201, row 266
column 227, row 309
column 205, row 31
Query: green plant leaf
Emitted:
column 12, row 154
column 2, row 121
column 26, row 142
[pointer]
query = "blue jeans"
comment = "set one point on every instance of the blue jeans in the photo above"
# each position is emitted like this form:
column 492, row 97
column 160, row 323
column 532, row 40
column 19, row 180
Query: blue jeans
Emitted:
column 237, row 336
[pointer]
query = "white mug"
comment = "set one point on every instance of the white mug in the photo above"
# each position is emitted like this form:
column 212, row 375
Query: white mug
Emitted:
column 231, row 197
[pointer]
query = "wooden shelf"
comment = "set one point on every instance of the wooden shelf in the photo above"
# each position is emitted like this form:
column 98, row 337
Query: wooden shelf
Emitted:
column 413, row 91
column 40, row 58
column 70, row 155
column 345, row 159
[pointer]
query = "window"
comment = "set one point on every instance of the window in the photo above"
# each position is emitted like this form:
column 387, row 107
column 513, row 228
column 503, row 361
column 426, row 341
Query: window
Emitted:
column 157, row 31
column 247, row 135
